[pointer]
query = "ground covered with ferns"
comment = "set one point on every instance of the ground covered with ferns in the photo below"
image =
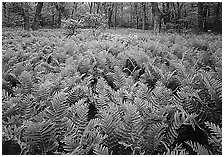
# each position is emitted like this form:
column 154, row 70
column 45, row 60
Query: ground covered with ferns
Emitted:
column 122, row 91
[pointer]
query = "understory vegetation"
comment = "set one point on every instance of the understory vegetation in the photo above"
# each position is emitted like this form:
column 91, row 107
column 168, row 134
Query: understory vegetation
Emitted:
column 123, row 91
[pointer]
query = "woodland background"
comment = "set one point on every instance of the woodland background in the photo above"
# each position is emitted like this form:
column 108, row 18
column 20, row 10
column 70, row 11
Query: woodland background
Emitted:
column 200, row 16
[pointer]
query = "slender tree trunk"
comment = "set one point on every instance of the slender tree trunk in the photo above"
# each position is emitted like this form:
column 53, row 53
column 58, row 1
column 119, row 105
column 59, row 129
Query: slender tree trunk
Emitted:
column 37, row 16
column 144, row 16
column 98, row 7
column 121, row 11
column 218, row 13
column 52, row 18
column 200, row 15
column 110, row 11
column 136, row 15
column 4, row 9
column 205, row 13
column 59, row 19
column 115, row 16
column 26, row 20
column 178, row 10
column 157, row 17
column 90, row 7
column 167, row 10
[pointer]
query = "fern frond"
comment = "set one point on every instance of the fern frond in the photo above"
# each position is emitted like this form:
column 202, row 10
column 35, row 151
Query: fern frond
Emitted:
column 26, row 79
column 99, row 149
column 75, row 94
column 119, row 77
column 199, row 149
column 71, row 143
column 217, row 131
column 41, row 134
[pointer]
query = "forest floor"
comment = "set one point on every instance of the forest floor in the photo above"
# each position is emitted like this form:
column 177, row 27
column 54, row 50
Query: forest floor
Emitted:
column 107, row 90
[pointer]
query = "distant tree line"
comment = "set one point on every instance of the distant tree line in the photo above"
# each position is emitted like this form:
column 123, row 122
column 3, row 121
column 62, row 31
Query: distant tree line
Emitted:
column 202, row 16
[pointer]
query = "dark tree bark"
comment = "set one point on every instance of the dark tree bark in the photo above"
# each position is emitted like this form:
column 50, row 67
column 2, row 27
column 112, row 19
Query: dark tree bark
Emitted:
column 115, row 16
column 4, row 9
column 110, row 12
column 25, row 13
column 218, row 13
column 136, row 15
column 90, row 7
column 53, row 15
column 157, row 17
column 98, row 7
column 37, row 16
column 144, row 16
column 200, row 15
column 178, row 10
column 205, row 14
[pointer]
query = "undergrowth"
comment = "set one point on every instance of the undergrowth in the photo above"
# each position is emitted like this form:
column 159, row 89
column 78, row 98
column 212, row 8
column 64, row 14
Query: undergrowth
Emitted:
column 120, row 92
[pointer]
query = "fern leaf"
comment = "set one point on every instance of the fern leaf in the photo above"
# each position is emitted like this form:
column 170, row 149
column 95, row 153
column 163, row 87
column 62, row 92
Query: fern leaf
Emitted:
column 199, row 149
column 217, row 131
column 100, row 150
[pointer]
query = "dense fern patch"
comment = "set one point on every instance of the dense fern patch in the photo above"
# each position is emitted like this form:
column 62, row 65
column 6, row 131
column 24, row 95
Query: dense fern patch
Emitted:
column 118, row 92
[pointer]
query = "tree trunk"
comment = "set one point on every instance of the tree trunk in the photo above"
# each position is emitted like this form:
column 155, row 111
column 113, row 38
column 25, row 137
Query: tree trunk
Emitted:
column 59, row 19
column 4, row 9
column 115, row 16
column 178, row 10
column 136, row 15
column 37, row 16
column 26, row 20
column 218, row 13
column 167, row 10
column 110, row 11
column 157, row 17
column 98, row 7
column 52, row 19
column 200, row 15
column 205, row 13
column 90, row 7
column 144, row 16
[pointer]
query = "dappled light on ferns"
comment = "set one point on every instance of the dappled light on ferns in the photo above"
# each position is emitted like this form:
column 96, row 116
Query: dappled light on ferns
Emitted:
column 113, row 94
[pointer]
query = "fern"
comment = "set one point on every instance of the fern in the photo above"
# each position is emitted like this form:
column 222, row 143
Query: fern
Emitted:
column 176, row 151
column 217, row 131
column 75, row 94
column 119, row 77
column 131, row 128
column 78, row 115
column 26, row 79
column 41, row 135
column 58, row 111
column 109, row 127
column 100, row 150
column 199, row 149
